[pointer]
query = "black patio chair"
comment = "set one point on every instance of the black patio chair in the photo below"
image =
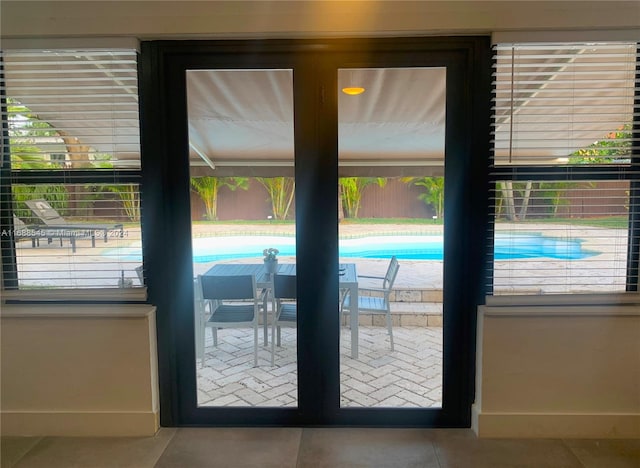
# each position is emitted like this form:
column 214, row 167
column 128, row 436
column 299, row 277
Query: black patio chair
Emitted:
column 286, row 313
column 232, row 302
column 376, row 300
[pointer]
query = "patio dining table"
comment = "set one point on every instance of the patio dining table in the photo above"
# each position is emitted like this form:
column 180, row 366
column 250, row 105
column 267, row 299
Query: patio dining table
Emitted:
column 348, row 280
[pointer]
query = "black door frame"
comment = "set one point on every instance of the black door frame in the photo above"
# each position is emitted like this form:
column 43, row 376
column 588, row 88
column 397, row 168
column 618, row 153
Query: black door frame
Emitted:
column 165, row 192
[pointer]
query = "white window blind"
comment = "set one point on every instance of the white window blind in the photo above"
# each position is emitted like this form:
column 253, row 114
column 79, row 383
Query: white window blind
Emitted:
column 70, row 197
column 565, row 168
column 555, row 100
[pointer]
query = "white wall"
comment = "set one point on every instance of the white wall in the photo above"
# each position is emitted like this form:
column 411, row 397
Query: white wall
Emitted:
column 156, row 19
column 552, row 371
column 78, row 370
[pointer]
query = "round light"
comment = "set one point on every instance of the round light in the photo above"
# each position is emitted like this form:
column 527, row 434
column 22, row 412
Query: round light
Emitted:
column 353, row 91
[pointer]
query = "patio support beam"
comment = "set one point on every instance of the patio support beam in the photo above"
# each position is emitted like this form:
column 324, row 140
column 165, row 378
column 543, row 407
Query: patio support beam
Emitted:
column 200, row 153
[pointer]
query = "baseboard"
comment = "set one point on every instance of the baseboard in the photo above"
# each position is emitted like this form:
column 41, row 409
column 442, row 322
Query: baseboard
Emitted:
column 88, row 424
column 556, row 425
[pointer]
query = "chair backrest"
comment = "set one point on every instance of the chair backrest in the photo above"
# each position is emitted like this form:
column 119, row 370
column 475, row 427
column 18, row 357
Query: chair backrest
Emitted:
column 392, row 272
column 45, row 212
column 284, row 287
column 228, row 287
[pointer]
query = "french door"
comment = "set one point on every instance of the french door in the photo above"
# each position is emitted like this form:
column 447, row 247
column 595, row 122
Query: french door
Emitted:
column 257, row 145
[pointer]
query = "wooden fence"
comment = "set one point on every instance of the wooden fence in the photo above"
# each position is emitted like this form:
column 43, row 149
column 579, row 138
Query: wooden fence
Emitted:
column 400, row 200
column 396, row 200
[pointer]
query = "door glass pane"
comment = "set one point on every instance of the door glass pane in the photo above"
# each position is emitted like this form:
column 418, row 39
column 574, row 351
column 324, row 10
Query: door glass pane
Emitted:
column 391, row 187
column 242, row 209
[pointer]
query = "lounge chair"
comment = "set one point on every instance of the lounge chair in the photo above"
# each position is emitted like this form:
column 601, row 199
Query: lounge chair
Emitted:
column 52, row 219
column 35, row 233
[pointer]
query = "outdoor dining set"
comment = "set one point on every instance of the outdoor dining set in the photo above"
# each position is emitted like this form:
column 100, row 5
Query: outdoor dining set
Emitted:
column 232, row 295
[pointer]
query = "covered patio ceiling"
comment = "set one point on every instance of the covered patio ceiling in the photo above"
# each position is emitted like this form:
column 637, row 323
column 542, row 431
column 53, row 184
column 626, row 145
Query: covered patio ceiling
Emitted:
column 241, row 121
column 244, row 118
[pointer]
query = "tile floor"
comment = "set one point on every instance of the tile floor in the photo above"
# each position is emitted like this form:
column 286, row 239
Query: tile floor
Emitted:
column 315, row 447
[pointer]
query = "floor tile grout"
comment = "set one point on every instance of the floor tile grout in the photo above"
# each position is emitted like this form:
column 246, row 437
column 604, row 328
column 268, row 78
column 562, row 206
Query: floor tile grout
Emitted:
column 298, row 453
column 435, row 451
column 573, row 453
column 166, row 446
column 38, row 442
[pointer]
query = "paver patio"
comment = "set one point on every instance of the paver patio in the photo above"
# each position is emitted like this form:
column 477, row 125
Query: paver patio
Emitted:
column 410, row 376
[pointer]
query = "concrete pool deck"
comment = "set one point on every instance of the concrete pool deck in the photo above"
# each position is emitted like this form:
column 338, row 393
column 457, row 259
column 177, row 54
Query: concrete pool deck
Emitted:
column 417, row 281
column 583, row 275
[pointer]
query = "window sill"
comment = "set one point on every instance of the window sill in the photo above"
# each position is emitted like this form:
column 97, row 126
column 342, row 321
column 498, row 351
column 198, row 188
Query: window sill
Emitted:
column 614, row 299
column 71, row 295
column 576, row 305
column 77, row 311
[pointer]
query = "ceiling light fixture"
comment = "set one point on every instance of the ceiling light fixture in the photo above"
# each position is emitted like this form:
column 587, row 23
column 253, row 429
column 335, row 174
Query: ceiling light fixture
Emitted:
column 353, row 91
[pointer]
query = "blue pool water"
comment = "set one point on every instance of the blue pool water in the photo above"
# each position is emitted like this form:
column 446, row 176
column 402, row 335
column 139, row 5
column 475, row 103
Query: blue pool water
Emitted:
column 427, row 247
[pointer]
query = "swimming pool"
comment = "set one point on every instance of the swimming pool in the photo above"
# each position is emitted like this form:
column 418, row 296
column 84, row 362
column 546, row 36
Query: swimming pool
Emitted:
column 408, row 247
